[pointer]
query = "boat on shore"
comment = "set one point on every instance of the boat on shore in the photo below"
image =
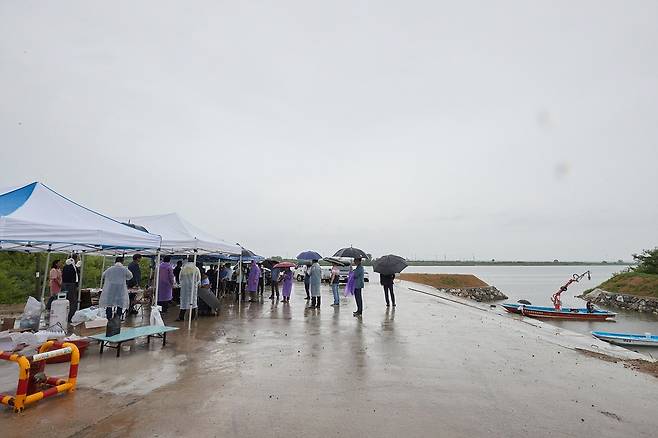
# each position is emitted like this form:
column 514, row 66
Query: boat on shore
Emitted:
column 626, row 339
column 562, row 313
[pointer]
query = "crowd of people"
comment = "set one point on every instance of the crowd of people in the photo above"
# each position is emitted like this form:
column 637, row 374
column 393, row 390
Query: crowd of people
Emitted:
column 119, row 283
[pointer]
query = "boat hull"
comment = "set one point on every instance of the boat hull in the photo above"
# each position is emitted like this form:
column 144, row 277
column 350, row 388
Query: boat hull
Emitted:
column 564, row 313
column 627, row 339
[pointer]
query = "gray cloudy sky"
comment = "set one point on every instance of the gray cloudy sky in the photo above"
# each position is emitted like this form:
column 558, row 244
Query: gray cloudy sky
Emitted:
column 507, row 129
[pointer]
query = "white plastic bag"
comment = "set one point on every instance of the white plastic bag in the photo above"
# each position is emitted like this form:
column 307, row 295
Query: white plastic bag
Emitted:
column 156, row 318
column 31, row 314
column 89, row 314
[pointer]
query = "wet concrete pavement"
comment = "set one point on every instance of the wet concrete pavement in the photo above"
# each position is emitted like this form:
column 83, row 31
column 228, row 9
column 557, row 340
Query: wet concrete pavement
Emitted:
column 430, row 367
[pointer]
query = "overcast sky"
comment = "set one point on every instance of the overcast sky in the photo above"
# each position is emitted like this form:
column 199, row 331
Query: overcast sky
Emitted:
column 506, row 129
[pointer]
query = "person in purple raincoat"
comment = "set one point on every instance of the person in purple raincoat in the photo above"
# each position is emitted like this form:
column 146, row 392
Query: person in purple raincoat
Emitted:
column 166, row 282
column 287, row 285
column 252, row 281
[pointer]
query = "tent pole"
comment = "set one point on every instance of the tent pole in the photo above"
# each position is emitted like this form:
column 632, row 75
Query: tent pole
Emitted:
column 240, row 278
column 157, row 278
column 219, row 269
column 45, row 276
column 82, row 271
column 189, row 321
column 100, row 282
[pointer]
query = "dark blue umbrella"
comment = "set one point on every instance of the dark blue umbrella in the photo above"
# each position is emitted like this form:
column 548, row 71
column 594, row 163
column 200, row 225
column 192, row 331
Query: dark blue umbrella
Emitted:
column 309, row 255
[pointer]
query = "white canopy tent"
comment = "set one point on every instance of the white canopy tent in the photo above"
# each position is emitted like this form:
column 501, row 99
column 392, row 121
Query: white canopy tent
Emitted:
column 181, row 237
column 35, row 218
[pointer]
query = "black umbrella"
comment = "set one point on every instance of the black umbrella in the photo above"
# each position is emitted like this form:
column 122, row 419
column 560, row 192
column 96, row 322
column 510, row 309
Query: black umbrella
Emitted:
column 269, row 263
column 389, row 264
column 337, row 261
column 351, row 252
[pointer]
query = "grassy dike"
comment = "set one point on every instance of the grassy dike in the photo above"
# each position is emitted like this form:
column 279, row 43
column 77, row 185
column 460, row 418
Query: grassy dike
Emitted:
column 632, row 283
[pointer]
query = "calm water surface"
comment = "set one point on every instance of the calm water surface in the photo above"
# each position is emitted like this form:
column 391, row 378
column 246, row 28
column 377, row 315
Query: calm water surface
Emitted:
column 537, row 283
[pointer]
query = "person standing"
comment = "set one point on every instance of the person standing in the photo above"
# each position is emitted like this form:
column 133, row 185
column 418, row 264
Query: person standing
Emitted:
column 274, row 282
column 358, row 286
column 386, row 280
column 55, row 280
column 70, row 284
column 287, row 285
column 190, row 279
column 315, row 283
column 115, row 289
column 165, row 283
column 179, row 265
column 335, row 282
column 252, row 282
column 212, row 277
column 134, row 282
column 307, row 281
column 261, row 279
column 225, row 278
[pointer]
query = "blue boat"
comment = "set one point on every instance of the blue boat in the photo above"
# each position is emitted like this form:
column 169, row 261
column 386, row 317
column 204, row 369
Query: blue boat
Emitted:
column 625, row 339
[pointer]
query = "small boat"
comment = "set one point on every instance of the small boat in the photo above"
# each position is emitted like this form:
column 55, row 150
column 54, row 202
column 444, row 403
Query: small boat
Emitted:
column 563, row 313
column 645, row 340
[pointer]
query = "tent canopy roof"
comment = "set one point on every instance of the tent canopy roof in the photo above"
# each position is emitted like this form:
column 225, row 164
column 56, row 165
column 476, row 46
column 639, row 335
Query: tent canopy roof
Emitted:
column 182, row 237
column 36, row 218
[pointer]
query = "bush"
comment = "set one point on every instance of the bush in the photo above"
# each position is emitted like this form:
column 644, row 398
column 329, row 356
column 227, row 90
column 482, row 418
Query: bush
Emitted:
column 647, row 261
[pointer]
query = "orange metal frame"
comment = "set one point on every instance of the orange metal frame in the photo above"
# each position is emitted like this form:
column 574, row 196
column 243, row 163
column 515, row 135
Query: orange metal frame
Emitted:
column 56, row 386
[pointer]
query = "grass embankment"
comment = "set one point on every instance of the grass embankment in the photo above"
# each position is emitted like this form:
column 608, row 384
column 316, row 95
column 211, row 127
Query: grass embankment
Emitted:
column 632, row 283
column 445, row 281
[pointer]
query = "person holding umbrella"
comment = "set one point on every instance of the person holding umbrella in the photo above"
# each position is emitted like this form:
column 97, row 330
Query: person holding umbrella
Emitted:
column 388, row 266
column 358, row 286
column 315, row 283
column 287, row 285
column 386, row 280
column 307, row 256
column 287, row 279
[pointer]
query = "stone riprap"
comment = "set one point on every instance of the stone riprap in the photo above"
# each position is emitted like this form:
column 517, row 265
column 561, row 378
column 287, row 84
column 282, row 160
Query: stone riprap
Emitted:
column 480, row 294
column 622, row 301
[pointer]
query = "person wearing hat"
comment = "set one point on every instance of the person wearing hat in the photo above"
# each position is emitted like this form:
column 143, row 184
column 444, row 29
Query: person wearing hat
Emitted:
column 70, row 280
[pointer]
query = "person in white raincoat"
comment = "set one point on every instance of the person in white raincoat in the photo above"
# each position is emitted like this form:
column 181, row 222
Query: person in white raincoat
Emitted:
column 315, row 283
column 190, row 279
column 115, row 290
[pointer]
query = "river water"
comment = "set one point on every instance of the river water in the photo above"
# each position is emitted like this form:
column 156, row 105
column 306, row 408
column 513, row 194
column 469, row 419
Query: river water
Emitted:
column 537, row 283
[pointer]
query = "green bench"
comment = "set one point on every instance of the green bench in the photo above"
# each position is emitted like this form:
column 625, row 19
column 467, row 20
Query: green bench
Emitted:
column 131, row 333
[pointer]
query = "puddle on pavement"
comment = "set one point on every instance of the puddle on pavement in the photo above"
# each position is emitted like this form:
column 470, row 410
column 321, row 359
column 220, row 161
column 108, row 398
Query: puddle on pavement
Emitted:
column 130, row 375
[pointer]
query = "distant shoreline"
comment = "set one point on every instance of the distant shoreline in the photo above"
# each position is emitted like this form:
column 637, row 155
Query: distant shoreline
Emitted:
column 509, row 263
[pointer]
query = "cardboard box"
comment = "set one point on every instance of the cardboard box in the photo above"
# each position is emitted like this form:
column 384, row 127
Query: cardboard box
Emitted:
column 96, row 323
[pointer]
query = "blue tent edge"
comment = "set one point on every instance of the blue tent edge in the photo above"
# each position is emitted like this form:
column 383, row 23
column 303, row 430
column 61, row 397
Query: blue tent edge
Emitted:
column 12, row 201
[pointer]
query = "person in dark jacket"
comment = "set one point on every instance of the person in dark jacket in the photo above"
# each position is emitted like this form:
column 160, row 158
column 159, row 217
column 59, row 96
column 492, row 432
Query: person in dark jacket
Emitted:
column 387, row 282
column 179, row 265
column 307, row 282
column 358, row 286
column 70, row 276
column 134, row 283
